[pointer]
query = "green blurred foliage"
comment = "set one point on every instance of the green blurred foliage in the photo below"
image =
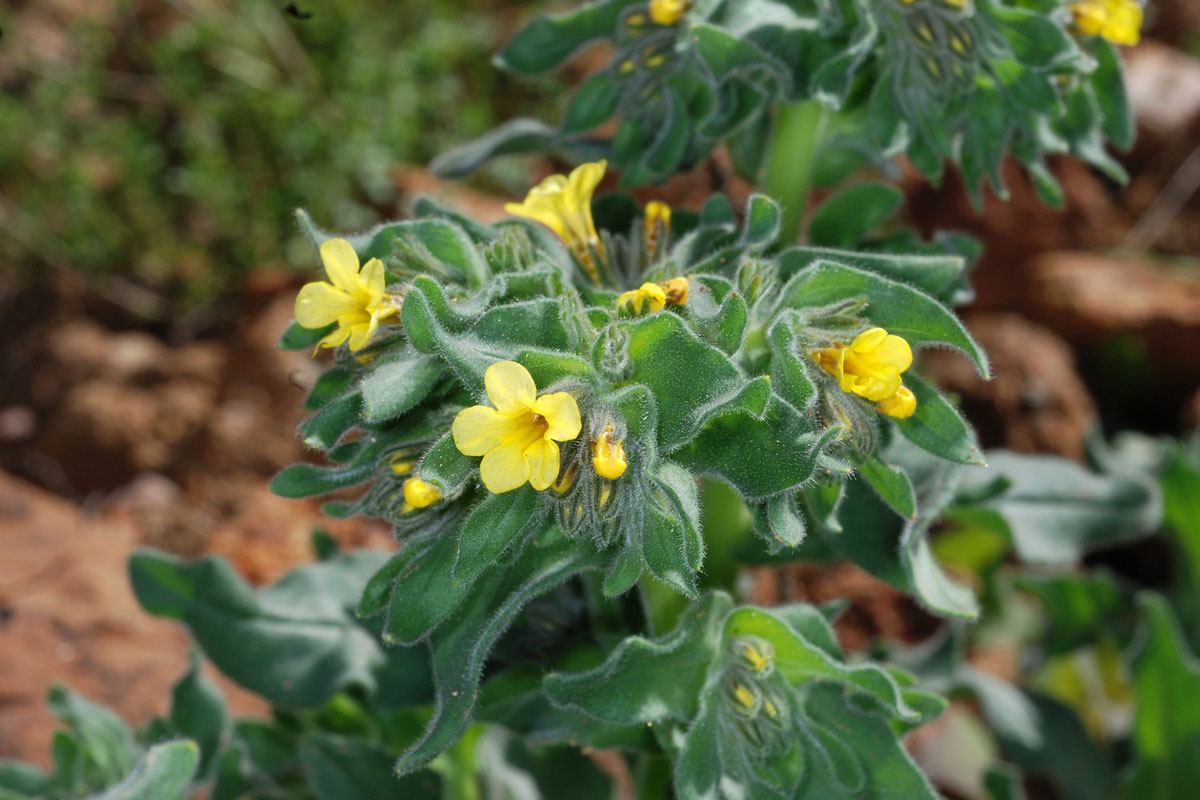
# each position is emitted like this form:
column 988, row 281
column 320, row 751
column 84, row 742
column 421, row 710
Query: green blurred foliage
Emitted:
column 167, row 143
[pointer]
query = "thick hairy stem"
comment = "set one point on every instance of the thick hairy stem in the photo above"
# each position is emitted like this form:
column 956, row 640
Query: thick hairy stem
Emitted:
column 799, row 130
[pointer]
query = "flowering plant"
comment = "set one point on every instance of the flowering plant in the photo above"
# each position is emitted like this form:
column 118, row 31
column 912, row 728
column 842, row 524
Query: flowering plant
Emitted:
column 582, row 419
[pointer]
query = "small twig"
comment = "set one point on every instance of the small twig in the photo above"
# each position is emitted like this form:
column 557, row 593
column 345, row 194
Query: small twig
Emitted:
column 1166, row 207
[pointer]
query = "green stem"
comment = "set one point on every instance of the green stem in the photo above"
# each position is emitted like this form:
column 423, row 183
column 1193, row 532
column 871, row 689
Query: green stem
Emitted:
column 799, row 131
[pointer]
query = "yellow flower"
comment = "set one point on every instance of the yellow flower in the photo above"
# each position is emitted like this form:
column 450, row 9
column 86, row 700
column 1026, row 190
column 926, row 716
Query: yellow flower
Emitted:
column 901, row 405
column 871, row 365
column 649, row 293
column 608, row 457
column 356, row 301
column 419, row 494
column 657, row 222
column 517, row 437
column 676, row 290
column 668, row 12
column 1119, row 21
column 564, row 204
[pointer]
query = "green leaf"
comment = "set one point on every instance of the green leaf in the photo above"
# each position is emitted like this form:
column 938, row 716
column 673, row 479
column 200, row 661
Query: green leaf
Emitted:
column 297, row 337
column 800, row 661
column 446, row 467
column 722, row 52
column 1068, row 756
column 688, row 377
column 1003, row 782
column 342, row 768
column 786, row 522
column 1166, row 723
column 23, row 780
column 396, row 384
column 1111, row 95
column 758, row 457
column 164, row 774
column 198, row 712
column 898, row 307
column 471, row 344
column 1079, row 608
column 892, row 485
column 646, row 680
column 937, row 427
column 1057, row 511
column 698, row 770
column 938, row 275
column 103, row 746
column 717, row 313
column 551, row 39
column 1036, row 40
column 462, row 645
column 548, row 367
column 789, row 368
column 332, row 384
column 887, row 769
column 326, row 428
column 424, row 593
column 514, row 137
column 666, row 151
column 594, row 101
column 761, row 228
column 1180, row 484
column 515, row 699
column 295, row 642
column 307, row 480
column 665, row 552
column 849, row 216
column 497, row 522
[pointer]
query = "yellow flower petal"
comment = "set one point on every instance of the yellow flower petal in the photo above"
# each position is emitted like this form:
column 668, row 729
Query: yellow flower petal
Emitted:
column 582, row 182
column 320, row 303
column 538, row 213
column 561, row 413
column 361, row 333
column 504, row 469
column 371, row 281
column 479, row 429
column 901, row 405
column 668, row 12
column 509, row 386
column 341, row 264
column 334, row 338
column 419, row 493
column 608, row 457
column 542, row 457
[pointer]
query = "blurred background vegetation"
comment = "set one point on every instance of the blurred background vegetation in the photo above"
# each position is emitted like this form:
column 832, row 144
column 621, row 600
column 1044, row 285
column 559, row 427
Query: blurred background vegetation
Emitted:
column 161, row 145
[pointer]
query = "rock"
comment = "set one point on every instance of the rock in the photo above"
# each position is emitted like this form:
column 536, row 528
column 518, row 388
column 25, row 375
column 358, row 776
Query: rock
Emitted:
column 66, row 608
column 1035, row 403
column 1130, row 317
column 875, row 608
column 1164, row 88
column 17, row 423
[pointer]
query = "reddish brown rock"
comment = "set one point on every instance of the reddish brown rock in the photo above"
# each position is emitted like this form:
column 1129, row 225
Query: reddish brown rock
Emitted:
column 875, row 608
column 1036, row 401
column 66, row 608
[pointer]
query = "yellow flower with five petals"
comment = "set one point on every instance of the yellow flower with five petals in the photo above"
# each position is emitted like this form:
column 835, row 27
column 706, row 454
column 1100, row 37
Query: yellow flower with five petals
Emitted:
column 870, row 366
column 563, row 203
column 668, row 12
column 518, row 438
column 356, row 300
column 1119, row 21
